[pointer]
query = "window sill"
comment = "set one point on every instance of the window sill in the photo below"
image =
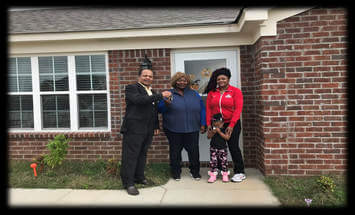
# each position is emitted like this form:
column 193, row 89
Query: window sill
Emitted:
column 52, row 134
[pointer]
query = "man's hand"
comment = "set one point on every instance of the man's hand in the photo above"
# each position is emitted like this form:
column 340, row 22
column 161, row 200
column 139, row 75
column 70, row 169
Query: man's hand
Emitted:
column 166, row 94
column 156, row 131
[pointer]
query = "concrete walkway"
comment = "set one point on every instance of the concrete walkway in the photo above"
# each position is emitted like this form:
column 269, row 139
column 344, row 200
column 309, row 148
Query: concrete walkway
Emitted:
column 184, row 193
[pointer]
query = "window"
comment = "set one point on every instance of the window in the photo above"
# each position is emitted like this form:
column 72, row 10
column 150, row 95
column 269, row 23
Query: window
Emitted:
column 93, row 110
column 53, row 73
column 55, row 111
column 63, row 92
column 20, row 76
column 90, row 72
column 91, row 79
column 20, row 93
column 53, row 77
column 20, row 111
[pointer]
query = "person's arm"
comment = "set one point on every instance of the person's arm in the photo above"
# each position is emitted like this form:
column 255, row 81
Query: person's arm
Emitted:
column 156, row 120
column 238, row 106
column 225, row 136
column 132, row 94
column 208, row 111
column 211, row 133
column 162, row 108
column 202, row 117
column 164, row 104
column 202, row 114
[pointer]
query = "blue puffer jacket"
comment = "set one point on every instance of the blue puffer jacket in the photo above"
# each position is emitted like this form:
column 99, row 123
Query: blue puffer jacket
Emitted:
column 185, row 114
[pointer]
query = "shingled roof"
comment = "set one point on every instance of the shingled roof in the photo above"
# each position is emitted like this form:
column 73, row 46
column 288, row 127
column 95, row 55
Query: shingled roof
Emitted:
column 99, row 19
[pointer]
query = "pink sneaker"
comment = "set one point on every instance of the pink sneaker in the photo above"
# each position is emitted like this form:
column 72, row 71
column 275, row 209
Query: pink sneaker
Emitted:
column 225, row 176
column 213, row 176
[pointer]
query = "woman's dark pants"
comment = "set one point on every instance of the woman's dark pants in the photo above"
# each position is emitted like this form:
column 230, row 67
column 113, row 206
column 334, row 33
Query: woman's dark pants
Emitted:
column 234, row 150
column 188, row 141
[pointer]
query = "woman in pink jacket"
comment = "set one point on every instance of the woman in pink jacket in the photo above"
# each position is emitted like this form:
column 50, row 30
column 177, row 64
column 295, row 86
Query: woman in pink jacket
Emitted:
column 227, row 100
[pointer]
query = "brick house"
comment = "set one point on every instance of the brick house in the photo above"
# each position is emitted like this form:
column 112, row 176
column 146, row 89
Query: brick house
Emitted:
column 68, row 68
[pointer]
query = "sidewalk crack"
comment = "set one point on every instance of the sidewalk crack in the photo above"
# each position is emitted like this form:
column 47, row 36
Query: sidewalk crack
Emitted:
column 163, row 196
column 65, row 195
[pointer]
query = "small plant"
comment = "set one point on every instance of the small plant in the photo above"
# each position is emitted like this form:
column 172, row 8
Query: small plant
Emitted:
column 113, row 166
column 57, row 151
column 40, row 162
column 326, row 184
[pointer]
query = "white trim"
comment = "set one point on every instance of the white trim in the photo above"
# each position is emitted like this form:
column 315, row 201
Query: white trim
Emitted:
column 172, row 42
column 36, row 54
column 36, row 94
column 19, row 93
column 73, row 101
column 108, row 92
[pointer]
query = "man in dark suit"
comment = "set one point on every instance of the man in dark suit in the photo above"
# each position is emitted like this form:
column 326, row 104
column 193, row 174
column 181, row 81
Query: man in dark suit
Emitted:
column 139, row 125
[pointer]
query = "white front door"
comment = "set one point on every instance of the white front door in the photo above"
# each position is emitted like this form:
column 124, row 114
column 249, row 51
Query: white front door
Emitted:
column 200, row 64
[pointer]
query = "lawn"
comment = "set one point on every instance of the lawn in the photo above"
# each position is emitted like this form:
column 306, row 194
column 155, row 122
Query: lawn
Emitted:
column 80, row 175
column 292, row 191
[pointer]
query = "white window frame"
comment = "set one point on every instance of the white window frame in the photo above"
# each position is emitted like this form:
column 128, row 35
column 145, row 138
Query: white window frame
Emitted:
column 73, row 95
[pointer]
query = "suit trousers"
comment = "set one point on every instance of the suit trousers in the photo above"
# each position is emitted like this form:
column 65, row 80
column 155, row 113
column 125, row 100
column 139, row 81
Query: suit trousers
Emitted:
column 134, row 157
column 233, row 146
column 188, row 141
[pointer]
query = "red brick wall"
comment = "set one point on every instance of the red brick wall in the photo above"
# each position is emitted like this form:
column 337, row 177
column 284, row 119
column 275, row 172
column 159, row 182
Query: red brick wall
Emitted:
column 125, row 66
column 83, row 146
column 296, row 103
column 249, row 123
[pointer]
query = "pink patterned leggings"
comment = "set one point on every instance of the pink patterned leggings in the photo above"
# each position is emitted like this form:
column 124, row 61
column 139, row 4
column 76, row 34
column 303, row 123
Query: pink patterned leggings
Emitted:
column 218, row 156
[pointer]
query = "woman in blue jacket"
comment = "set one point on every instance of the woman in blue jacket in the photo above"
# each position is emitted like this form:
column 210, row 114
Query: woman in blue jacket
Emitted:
column 184, row 116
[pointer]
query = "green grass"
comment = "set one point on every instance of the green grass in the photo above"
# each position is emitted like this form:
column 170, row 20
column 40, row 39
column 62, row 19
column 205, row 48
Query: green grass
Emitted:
column 292, row 191
column 79, row 175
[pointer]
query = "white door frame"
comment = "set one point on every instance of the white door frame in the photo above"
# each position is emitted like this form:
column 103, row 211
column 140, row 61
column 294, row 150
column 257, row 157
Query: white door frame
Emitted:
column 232, row 56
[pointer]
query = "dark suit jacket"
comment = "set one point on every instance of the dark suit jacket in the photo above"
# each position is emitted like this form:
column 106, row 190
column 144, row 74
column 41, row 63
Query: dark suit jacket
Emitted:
column 141, row 110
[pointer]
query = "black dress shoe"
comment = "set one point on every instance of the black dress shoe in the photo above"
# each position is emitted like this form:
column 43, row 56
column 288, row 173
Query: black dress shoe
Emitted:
column 132, row 190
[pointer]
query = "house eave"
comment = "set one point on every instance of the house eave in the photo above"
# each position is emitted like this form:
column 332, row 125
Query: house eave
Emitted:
column 253, row 23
